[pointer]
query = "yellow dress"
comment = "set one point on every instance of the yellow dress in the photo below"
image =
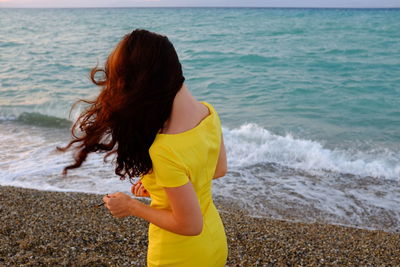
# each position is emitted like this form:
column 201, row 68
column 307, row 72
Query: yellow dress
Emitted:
column 178, row 159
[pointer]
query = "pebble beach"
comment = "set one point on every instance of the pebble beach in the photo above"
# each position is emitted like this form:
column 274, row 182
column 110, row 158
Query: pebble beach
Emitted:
column 42, row 228
column 308, row 101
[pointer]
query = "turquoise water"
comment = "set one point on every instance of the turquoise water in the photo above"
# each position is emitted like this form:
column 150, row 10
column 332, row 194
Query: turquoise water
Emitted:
column 309, row 100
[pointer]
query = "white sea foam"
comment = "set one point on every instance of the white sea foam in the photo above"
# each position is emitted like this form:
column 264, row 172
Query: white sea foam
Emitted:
column 270, row 175
column 29, row 159
column 251, row 144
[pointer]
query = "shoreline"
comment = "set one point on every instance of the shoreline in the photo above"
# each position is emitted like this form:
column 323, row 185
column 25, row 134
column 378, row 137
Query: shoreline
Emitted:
column 233, row 206
column 63, row 228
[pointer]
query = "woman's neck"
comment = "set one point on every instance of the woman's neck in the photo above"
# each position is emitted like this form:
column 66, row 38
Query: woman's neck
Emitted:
column 186, row 112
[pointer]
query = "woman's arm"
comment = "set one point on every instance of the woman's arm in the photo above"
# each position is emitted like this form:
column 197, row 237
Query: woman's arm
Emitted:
column 222, row 165
column 184, row 218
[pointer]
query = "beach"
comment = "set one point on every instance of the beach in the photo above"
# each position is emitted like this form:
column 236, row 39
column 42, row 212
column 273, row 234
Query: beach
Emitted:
column 309, row 107
column 308, row 101
column 64, row 229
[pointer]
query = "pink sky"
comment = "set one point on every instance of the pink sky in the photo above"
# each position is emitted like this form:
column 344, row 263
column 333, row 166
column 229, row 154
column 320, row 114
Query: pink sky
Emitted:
column 260, row 3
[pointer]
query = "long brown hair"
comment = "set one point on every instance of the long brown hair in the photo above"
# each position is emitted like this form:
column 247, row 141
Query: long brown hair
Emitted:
column 138, row 85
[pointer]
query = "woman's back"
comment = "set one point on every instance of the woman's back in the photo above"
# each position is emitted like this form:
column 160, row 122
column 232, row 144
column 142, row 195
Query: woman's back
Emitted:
column 192, row 156
column 147, row 117
column 188, row 156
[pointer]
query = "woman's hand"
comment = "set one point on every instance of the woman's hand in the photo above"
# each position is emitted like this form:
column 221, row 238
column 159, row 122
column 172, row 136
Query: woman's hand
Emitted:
column 120, row 204
column 139, row 190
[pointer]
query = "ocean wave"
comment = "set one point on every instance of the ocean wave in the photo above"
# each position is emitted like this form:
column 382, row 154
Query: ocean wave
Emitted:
column 251, row 144
column 10, row 43
column 269, row 174
column 36, row 119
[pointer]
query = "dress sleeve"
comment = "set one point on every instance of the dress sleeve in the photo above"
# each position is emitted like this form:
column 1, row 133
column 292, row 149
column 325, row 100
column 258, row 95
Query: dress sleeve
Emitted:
column 168, row 169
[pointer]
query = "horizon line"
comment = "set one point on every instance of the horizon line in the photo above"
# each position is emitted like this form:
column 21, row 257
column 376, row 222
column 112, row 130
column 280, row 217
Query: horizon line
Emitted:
column 259, row 7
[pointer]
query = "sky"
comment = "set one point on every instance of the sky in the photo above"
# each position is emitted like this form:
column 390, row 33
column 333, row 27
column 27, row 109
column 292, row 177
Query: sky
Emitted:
column 225, row 3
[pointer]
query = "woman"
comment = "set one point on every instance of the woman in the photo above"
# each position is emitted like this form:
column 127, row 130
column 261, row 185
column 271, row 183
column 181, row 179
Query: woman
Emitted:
column 147, row 117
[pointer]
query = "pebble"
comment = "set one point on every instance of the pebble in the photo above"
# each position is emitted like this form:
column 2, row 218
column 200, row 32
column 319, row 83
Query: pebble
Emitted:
column 63, row 229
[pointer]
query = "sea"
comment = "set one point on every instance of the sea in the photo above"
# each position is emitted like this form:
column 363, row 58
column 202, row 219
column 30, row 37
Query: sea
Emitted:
column 309, row 101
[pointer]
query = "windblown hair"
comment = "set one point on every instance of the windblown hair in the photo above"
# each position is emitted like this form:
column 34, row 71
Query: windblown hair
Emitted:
column 138, row 85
